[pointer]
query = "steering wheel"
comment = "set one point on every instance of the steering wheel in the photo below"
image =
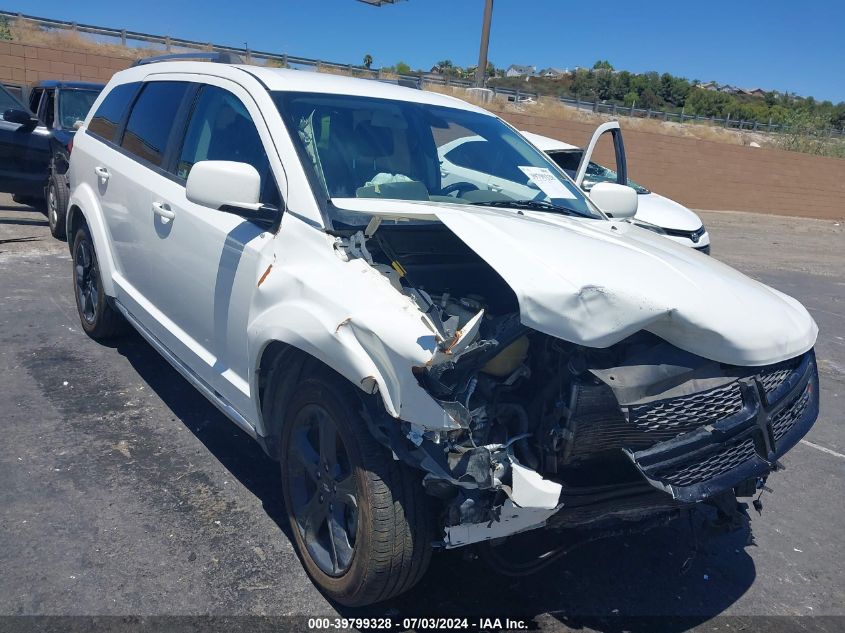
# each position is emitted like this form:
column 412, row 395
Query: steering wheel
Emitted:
column 460, row 187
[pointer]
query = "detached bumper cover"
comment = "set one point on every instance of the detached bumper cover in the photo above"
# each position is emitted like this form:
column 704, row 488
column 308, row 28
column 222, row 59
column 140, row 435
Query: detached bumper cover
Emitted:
column 772, row 416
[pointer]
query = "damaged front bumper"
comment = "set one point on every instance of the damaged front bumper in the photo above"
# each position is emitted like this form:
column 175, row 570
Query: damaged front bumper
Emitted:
column 741, row 446
column 726, row 445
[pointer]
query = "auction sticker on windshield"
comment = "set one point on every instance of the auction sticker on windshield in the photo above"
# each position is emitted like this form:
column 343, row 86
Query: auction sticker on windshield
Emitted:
column 548, row 183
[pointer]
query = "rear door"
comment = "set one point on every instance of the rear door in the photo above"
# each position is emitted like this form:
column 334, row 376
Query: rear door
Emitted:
column 130, row 171
column 24, row 152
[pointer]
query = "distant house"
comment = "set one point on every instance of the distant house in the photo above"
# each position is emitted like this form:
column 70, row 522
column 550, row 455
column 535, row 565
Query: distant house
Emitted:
column 553, row 73
column 756, row 92
column 514, row 70
column 710, row 85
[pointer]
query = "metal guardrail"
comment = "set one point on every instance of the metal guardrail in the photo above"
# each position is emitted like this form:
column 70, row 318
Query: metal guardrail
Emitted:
column 175, row 44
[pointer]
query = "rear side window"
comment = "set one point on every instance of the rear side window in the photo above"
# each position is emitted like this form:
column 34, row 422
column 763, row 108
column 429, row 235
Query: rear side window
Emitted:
column 151, row 120
column 108, row 116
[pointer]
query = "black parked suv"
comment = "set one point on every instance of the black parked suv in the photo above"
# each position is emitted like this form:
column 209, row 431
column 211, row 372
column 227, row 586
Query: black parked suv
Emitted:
column 35, row 148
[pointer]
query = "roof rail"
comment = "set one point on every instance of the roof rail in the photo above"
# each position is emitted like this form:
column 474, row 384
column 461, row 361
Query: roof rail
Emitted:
column 221, row 57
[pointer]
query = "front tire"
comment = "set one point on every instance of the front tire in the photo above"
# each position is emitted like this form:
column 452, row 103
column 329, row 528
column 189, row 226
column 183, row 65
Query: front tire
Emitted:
column 360, row 520
column 98, row 318
column 57, row 200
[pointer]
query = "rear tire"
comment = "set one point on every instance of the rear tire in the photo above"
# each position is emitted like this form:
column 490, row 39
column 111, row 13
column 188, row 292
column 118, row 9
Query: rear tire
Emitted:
column 360, row 519
column 57, row 199
column 98, row 318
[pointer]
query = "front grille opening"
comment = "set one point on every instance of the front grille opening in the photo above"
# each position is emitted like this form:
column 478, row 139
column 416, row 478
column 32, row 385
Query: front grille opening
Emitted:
column 725, row 459
column 790, row 414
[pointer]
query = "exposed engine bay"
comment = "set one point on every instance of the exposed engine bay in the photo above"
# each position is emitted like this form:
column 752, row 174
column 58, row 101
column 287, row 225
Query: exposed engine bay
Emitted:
column 558, row 434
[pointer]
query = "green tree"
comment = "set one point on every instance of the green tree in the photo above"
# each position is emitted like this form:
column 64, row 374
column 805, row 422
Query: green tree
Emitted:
column 402, row 68
column 582, row 83
column 602, row 64
column 368, row 61
column 5, row 30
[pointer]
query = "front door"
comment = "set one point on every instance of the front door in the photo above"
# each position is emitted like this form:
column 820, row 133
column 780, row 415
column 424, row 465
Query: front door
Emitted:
column 24, row 152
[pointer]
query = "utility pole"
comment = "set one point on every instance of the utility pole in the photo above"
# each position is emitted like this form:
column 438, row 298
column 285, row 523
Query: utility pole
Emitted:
column 481, row 71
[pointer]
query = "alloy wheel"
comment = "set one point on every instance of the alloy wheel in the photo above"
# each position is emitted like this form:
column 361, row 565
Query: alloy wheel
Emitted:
column 322, row 490
column 87, row 280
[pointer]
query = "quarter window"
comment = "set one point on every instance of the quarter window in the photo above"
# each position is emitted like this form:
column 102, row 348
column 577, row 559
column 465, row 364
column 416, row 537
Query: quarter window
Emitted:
column 108, row 116
column 151, row 120
column 222, row 129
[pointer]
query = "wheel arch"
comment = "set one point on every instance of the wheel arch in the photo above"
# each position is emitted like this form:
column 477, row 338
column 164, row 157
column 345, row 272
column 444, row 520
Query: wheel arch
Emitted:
column 83, row 210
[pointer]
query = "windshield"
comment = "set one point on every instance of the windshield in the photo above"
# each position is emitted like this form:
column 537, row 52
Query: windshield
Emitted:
column 568, row 160
column 74, row 105
column 362, row 147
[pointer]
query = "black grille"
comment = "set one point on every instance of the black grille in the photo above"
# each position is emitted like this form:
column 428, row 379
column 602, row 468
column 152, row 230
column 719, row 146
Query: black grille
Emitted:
column 597, row 424
column 786, row 418
column 726, row 458
column 669, row 418
column 774, row 376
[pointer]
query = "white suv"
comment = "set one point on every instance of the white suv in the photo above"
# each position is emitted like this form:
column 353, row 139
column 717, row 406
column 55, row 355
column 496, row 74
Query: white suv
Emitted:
column 434, row 362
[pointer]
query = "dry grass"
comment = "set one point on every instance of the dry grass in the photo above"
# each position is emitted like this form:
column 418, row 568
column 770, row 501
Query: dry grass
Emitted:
column 550, row 108
column 27, row 33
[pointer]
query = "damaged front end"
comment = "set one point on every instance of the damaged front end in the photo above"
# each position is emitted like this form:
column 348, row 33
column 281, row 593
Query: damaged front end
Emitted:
column 553, row 433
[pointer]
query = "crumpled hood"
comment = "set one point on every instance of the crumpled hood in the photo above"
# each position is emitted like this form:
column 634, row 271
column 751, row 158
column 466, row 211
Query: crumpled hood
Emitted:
column 596, row 282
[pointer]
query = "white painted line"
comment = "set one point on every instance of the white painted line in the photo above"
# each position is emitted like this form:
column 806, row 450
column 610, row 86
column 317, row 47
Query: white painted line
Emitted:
column 823, row 449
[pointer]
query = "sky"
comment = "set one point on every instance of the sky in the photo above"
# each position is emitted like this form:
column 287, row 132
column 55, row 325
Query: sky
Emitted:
column 773, row 44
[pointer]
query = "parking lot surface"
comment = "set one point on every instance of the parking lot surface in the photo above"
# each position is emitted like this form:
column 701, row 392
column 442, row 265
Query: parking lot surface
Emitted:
column 123, row 491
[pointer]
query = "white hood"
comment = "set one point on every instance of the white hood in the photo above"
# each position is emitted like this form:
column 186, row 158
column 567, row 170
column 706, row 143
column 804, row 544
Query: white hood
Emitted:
column 596, row 282
column 666, row 213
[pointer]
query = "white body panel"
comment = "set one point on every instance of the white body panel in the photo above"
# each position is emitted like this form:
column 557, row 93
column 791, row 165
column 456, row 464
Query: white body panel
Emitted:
column 595, row 282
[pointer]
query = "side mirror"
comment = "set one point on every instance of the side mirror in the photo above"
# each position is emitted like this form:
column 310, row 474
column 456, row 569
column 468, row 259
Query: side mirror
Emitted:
column 230, row 187
column 617, row 201
column 22, row 117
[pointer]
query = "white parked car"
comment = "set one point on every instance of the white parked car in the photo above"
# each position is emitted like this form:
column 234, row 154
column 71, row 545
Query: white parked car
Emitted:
column 654, row 211
column 435, row 362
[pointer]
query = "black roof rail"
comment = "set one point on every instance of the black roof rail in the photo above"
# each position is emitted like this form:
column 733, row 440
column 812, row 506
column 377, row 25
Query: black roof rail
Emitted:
column 221, row 57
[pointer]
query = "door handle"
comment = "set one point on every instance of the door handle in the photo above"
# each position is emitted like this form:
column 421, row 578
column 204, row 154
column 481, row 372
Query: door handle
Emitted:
column 162, row 209
column 102, row 173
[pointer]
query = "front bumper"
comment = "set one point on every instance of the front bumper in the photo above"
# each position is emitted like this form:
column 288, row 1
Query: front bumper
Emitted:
column 719, row 456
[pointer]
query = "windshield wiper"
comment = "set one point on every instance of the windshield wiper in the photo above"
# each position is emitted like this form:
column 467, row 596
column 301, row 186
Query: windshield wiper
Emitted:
column 533, row 205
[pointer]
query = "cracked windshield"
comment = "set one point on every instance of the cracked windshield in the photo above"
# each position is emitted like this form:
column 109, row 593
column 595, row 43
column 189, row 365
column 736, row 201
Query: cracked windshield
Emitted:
column 360, row 147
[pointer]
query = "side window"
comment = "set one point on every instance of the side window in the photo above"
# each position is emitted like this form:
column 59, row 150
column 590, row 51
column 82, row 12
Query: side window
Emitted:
column 151, row 120
column 34, row 99
column 7, row 101
column 221, row 129
column 108, row 116
column 568, row 160
column 478, row 155
column 48, row 108
column 472, row 154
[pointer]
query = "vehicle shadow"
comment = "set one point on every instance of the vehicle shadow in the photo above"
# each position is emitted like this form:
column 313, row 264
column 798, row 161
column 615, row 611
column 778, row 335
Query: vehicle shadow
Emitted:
column 233, row 448
column 634, row 583
column 22, row 221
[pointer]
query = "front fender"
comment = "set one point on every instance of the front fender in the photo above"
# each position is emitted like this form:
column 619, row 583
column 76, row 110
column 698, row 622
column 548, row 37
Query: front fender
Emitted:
column 347, row 315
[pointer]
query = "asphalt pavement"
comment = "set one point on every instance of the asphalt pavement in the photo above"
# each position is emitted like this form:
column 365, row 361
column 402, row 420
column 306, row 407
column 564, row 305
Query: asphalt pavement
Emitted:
column 124, row 492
